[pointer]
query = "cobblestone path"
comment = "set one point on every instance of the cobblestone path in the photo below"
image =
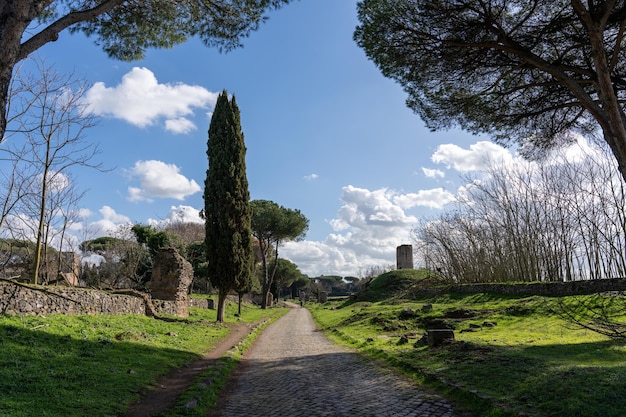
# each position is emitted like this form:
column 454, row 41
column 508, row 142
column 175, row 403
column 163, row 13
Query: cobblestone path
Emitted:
column 293, row 370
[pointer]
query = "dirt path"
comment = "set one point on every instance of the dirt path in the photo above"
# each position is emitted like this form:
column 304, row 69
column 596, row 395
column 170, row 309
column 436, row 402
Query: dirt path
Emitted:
column 169, row 387
column 294, row 370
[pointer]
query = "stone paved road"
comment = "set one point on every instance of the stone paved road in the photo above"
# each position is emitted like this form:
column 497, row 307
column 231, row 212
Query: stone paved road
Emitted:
column 294, row 371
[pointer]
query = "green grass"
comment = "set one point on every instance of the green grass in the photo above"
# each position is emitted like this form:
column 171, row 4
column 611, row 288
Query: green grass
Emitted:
column 205, row 390
column 97, row 365
column 387, row 285
column 532, row 361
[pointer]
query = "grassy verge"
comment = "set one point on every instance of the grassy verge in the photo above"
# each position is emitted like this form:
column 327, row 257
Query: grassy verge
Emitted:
column 204, row 392
column 97, row 365
column 511, row 356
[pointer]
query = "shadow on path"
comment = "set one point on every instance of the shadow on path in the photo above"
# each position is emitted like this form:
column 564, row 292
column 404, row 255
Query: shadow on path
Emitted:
column 294, row 370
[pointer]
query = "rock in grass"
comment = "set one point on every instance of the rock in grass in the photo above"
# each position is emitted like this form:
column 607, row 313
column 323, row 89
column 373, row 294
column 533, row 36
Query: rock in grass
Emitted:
column 437, row 337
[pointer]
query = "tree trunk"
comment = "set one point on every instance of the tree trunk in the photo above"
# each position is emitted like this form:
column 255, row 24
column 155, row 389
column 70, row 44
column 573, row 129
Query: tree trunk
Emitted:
column 14, row 20
column 221, row 305
column 239, row 304
column 15, row 17
column 266, row 288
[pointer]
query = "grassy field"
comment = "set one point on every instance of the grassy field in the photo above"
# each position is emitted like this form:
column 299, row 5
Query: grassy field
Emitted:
column 511, row 355
column 98, row 365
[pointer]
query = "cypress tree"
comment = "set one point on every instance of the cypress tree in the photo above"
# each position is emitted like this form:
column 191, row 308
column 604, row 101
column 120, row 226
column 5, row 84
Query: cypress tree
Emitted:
column 227, row 204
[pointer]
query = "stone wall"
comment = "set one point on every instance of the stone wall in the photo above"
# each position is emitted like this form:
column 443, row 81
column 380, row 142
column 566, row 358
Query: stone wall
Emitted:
column 201, row 303
column 17, row 300
column 550, row 289
column 171, row 278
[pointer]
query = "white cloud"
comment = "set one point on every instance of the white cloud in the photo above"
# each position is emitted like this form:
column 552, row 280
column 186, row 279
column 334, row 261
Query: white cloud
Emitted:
column 179, row 214
column 363, row 208
column 140, row 100
column 57, row 181
column 92, row 259
column 433, row 173
column 19, row 226
column 311, row 177
column 436, row 198
column 159, row 179
column 320, row 258
column 369, row 226
column 84, row 213
column 180, row 125
column 108, row 223
column 476, row 158
column 580, row 150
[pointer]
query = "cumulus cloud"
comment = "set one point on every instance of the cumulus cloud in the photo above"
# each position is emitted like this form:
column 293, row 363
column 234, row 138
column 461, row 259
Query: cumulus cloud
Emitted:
column 368, row 228
column 476, row 158
column 310, row 177
column 320, row 258
column 57, row 181
column 158, row 179
column 433, row 173
column 371, row 224
column 180, row 125
column 179, row 214
column 141, row 100
column 363, row 208
column 109, row 222
column 21, row 225
column 436, row 198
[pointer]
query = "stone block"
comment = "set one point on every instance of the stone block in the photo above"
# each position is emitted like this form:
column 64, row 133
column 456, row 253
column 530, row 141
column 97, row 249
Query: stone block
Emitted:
column 438, row 336
column 171, row 278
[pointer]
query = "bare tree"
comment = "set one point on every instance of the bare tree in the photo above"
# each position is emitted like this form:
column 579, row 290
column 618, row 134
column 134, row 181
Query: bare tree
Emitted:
column 124, row 263
column 185, row 233
column 556, row 220
column 47, row 127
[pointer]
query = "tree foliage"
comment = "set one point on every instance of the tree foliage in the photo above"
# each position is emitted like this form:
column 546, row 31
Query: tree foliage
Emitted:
column 150, row 237
column 286, row 273
column 123, row 262
column 272, row 225
column 227, row 209
column 530, row 70
column 123, row 29
column 16, row 259
column 125, row 259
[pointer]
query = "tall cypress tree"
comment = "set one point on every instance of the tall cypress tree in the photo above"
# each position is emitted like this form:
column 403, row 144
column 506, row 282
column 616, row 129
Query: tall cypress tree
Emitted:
column 227, row 203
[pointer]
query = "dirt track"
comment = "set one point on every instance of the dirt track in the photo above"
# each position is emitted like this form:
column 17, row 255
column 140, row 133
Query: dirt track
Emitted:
column 164, row 396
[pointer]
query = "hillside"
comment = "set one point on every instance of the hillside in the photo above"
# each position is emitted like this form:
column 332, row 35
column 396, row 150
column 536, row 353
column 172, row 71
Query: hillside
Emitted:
column 399, row 284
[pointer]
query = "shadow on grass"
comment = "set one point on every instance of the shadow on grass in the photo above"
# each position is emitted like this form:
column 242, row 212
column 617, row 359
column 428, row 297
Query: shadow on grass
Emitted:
column 583, row 379
column 43, row 374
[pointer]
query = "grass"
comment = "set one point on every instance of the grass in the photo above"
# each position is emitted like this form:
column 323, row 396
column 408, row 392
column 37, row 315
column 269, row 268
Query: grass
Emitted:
column 98, row 365
column 511, row 355
column 204, row 392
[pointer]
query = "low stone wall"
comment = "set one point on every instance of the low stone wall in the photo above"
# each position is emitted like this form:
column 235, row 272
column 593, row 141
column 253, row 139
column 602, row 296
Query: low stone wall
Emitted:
column 201, row 303
column 17, row 300
column 550, row 289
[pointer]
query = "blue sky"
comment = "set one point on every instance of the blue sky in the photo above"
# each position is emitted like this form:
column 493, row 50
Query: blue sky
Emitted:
column 325, row 132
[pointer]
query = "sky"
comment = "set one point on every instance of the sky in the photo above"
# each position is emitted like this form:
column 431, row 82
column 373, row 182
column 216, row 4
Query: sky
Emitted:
column 325, row 133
